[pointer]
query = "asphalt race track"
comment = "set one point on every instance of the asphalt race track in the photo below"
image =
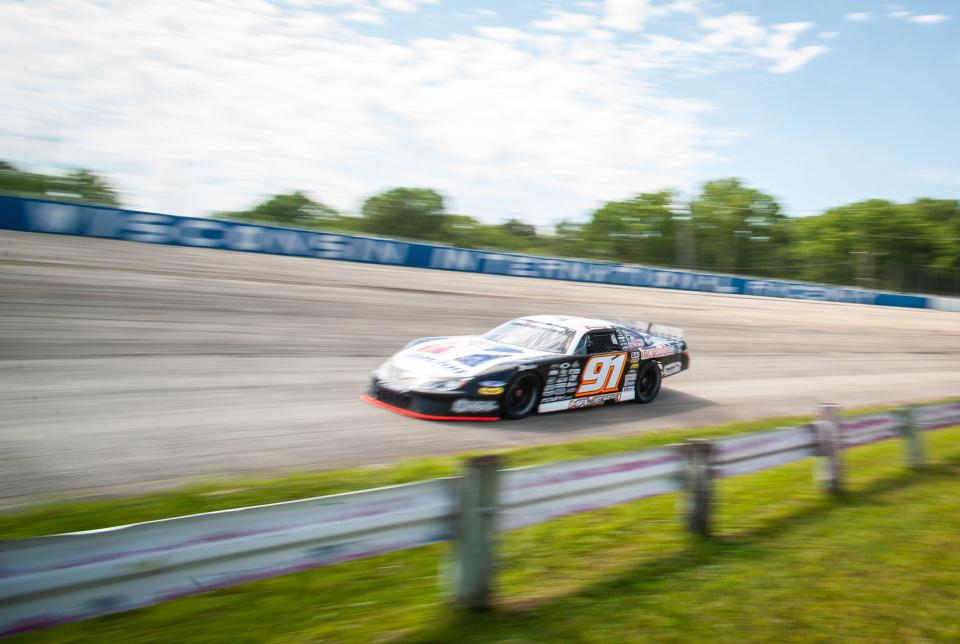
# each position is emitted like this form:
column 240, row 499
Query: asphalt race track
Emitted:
column 127, row 366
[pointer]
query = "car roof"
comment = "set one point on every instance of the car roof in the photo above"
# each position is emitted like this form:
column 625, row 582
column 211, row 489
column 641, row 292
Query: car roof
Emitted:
column 576, row 323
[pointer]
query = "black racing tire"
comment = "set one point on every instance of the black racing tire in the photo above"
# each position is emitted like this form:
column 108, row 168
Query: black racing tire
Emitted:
column 521, row 395
column 649, row 379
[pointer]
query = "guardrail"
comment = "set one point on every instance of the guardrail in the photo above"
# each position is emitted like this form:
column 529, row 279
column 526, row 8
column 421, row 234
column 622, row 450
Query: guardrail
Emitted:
column 52, row 580
column 35, row 215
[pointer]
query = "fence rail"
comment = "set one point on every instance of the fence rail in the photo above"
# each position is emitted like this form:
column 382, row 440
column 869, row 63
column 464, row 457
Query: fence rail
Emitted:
column 534, row 494
column 52, row 580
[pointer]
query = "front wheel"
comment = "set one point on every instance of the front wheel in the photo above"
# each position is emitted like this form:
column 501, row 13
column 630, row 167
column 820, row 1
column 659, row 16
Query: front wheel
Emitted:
column 521, row 395
column 648, row 383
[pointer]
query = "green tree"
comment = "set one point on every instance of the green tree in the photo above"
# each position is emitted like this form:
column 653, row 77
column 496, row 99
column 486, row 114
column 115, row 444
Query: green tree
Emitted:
column 943, row 219
column 517, row 228
column 739, row 229
column 86, row 186
column 297, row 210
column 294, row 209
column 881, row 243
column 79, row 185
column 414, row 213
column 567, row 240
column 641, row 229
column 14, row 181
column 467, row 232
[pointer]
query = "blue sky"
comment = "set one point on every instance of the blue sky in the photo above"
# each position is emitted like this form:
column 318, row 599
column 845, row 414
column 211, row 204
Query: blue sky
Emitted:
column 536, row 110
column 875, row 116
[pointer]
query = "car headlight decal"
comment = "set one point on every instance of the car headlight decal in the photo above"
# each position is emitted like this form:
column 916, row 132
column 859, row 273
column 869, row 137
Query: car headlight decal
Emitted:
column 443, row 384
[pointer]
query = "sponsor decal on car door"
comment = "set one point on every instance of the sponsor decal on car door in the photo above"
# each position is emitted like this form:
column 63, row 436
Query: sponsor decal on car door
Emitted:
column 602, row 373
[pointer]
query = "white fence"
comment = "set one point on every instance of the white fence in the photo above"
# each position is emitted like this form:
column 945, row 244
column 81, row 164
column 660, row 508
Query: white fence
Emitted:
column 761, row 451
column 62, row 578
column 531, row 495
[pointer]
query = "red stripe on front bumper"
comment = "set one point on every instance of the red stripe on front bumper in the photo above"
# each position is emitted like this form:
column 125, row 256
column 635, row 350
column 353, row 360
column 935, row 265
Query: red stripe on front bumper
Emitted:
column 414, row 414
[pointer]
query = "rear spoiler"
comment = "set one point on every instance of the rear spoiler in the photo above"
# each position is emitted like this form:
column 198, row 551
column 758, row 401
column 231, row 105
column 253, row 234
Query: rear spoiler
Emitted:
column 659, row 330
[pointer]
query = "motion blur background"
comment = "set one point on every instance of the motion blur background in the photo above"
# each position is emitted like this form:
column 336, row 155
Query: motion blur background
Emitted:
column 808, row 141
column 578, row 129
column 583, row 129
column 784, row 140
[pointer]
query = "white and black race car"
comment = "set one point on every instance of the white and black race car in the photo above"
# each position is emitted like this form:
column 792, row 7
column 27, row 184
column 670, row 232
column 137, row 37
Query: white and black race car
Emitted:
column 540, row 363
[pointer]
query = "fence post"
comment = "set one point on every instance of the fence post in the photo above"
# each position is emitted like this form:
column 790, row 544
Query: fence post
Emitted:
column 829, row 463
column 474, row 547
column 910, row 430
column 698, row 454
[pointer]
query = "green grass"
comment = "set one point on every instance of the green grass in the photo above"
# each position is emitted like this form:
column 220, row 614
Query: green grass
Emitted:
column 787, row 564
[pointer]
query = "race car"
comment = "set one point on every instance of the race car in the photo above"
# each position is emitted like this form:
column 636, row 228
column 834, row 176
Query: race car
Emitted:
column 539, row 363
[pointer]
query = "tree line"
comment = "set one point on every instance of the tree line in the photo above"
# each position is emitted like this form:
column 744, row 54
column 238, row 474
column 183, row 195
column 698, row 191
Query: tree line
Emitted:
column 77, row 185
column 728, row 227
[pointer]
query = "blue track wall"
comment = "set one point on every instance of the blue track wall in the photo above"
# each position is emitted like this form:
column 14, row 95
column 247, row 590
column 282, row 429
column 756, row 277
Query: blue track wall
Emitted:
column 33, row 215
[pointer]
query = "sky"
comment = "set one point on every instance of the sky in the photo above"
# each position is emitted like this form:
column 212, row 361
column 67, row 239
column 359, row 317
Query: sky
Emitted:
column 540, row 111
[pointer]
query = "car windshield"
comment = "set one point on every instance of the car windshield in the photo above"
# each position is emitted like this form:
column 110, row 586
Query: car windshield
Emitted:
column 532, row 335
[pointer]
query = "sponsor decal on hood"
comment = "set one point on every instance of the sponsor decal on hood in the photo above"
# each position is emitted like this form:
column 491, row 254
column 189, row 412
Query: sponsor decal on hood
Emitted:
column 463, row 356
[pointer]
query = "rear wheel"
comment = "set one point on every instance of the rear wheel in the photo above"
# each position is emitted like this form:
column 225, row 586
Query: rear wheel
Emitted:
column 648, row 383
column 521, row 395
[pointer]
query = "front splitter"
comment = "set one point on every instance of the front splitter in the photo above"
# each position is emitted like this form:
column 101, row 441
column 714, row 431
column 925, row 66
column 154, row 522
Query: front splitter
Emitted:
column 415, row 414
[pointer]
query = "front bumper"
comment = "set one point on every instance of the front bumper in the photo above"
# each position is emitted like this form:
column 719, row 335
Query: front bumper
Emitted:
column 452, row 406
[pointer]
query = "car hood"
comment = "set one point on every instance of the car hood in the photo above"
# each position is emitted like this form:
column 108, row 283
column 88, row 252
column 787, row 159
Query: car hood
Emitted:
column 453, row 357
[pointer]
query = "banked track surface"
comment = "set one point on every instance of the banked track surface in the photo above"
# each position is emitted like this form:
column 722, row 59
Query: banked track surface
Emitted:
column 126, row 367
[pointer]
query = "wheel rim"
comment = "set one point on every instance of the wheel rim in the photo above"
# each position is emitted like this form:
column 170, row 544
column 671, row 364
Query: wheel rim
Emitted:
column 647, row 383
column 521, row 396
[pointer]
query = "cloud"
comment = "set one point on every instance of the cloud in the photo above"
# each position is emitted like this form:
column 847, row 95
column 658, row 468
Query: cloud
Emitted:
column 733, row 28
column 626, row 15
column 898, row 12
column 480, row 13
column 829, row 35
column 739, row 36
column 399, row 5
column 632, row 15
column 929, row 19
column 565, row 21
column 365, row 14
column 194, row 107
column 942, row 177
column 793, row 27
column 506, row 34
column 792, row 60
column 857, row 16
column 405, row 5
column 779, row 47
